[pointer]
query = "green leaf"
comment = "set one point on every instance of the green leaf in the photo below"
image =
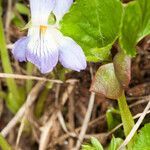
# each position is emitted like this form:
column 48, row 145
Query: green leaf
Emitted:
column 130, row 28
column 96, row 144
column 106, row 83
column 142, row 141
column 14, row 105
column 93, row 145
column 113, row 118
column 0, row 8
column 22, row 9
column 3, row 144
column 115, row 143
column 100, row 54
column 18, row 22
column 93, row 25
column 145, row 26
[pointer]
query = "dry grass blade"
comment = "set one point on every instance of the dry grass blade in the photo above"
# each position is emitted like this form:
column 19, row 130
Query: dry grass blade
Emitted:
column 44, row 139
column 20, row 130
column 62, row 121
column 135, row 128
column 86, row 120
column 26, row 77
column 30, row 99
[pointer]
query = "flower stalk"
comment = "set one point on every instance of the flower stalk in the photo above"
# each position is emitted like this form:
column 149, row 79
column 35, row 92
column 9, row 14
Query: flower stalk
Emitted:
column 126, row 116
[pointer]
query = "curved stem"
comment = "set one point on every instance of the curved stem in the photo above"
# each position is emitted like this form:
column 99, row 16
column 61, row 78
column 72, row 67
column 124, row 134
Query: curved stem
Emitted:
column 126, row 116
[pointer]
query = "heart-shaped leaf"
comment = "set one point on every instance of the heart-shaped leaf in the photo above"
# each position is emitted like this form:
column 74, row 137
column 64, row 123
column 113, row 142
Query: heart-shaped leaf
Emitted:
column 93, row 25
column 106, row 83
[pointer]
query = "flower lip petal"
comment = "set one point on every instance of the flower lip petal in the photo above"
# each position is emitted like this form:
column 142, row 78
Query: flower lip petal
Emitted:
column 61, row 7
column 20, row 48
column 43, row 50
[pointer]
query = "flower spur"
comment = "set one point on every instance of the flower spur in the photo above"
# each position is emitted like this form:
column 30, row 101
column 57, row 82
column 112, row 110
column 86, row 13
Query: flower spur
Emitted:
column 45, row 44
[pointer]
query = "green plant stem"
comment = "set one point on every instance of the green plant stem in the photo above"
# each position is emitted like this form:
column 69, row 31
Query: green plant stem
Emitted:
column 29, row 83
column 2, row 95
column 39, row 107
column 6, row 63
column 126, row 116
column 3, row 144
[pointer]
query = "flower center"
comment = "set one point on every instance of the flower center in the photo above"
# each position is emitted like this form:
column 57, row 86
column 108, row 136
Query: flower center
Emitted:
column 43, row 29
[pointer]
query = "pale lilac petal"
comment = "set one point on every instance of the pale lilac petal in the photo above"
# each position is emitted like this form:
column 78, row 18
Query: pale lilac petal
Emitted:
column 43, row 51
column 71, row 55
column 20, row 48
column 40, row 11
column 61, row 7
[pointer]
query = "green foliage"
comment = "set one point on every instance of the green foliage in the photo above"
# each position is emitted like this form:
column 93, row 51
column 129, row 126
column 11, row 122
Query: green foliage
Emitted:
column 3, row 144
column 135, row 25
column 0, row 8
column 22, row 9
column 93, row 25
column 142, row 141
column 19, row 10
column 39, row 107
column 93, row 145
column 115, row 143
column 12, row 103
column 113, row 118
column 130, row 28
column 145, row 21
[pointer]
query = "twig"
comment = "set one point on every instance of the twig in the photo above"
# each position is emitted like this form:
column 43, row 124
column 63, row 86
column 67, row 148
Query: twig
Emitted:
column 90, row 124
column 86, row 120
column 44, row 139
column 20, row 130
column 74, row 134
column 71, row 121
column 26, row 77
column 136, row 126
column 62, row 121
column 30, row 100
column 139, row 102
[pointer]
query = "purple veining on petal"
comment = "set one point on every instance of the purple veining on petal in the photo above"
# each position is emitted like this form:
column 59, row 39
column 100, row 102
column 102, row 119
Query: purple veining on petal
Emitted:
column 71, row 55
column 44, row 63
column 43, row 51
column 61, row 7
column 20, row 48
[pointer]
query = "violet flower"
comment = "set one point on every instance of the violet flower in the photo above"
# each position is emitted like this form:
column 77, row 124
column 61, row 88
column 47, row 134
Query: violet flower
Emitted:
column 45, row 45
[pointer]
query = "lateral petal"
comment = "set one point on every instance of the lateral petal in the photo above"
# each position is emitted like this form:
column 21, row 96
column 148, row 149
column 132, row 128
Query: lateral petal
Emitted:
column 71, row 54
column 20, row 48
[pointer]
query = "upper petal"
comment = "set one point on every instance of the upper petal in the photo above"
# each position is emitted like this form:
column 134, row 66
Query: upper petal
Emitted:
column 20, row 48
column 71, row 54
column 40, row 11
column 61, row 7
column 43, row 51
